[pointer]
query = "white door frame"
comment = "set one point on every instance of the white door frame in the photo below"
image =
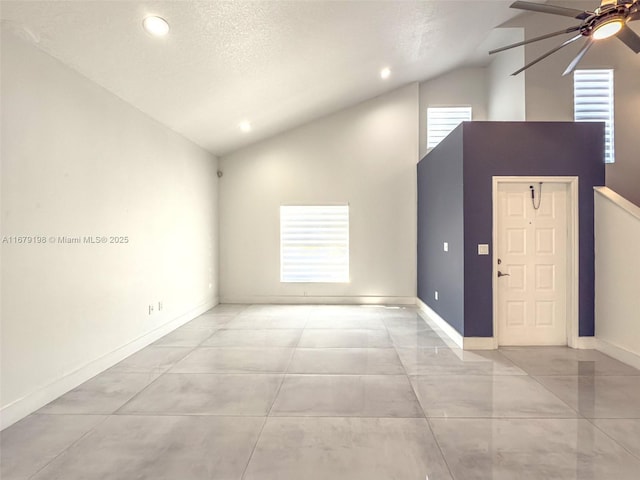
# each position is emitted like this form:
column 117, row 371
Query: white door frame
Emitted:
column 572, row 251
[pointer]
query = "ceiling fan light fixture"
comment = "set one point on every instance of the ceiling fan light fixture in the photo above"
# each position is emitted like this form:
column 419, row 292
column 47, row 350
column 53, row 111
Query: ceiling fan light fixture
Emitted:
column 608, row 20
column 607, row 28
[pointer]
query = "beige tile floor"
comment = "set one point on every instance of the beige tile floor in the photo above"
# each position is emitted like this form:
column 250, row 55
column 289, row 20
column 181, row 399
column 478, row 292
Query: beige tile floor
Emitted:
column 267, row 392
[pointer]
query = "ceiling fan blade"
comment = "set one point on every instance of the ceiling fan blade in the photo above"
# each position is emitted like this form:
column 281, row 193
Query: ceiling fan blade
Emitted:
column 629, row 38
column 535, row 39
column 574, row 63
column 552, row 9
column 553, row 50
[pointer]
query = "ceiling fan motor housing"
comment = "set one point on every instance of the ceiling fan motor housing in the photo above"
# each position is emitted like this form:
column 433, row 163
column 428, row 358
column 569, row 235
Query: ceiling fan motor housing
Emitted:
column 605, row 14
column 608, row 20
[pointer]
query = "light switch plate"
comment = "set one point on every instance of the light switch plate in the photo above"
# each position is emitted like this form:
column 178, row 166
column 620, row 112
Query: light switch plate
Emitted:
column 483, row 249
column 446, row 246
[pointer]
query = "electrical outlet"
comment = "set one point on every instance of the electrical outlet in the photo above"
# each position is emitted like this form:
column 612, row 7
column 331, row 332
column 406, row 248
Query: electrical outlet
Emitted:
column 446, row 246
column 435, row 295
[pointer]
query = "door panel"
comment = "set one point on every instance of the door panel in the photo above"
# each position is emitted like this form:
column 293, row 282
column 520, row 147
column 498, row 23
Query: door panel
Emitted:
column 532, row 246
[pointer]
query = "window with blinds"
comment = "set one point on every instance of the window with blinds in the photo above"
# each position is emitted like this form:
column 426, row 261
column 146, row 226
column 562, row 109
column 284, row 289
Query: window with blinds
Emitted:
column 593, row 102
column 442, row 120
column 314, row 244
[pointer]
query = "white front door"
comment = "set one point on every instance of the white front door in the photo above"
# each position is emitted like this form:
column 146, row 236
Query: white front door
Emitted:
column 532, row 264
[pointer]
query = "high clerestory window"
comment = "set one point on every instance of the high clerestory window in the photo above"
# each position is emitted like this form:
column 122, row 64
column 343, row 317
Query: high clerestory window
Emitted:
column 442, row 120
column 593, row 102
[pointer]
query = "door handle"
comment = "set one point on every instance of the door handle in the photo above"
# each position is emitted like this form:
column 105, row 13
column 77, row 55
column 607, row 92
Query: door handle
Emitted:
column 500, row 274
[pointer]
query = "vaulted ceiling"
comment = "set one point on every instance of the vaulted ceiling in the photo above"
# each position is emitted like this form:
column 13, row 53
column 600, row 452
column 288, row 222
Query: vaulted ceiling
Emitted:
column 277, row 64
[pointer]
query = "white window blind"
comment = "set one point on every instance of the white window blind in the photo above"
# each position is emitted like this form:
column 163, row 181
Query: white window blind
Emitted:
column 442, row 120
column 314, row 243
column 593, row 102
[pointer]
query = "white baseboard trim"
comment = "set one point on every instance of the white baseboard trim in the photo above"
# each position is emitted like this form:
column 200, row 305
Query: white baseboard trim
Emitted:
column 435, row 320
column 479, row 343
column 585, row 343
column 28, row 404
column 318, row 300
column 619, row 353
column 466, row 343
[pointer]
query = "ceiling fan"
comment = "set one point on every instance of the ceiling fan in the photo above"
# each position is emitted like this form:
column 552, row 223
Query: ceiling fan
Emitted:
column 608, row 20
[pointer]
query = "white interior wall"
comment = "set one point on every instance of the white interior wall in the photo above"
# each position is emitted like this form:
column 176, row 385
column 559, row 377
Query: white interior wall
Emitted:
column 365, row 155
column 506, row 93
column 464, row 86
column 617, row 235
column 549, row 95
column 78, row 161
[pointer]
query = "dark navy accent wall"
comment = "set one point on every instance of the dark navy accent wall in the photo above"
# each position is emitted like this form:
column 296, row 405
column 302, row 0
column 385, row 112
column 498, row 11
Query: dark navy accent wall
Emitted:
column 535, row 149
column 460, row 169
column 440, row 219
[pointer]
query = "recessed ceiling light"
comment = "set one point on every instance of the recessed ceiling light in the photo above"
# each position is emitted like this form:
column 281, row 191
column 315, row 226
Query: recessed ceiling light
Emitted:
column 156, row 26
column 385, row 73
column 245, row 126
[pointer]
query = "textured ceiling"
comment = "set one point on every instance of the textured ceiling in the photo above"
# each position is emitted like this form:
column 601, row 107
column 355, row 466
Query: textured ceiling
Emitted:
column 278, row 64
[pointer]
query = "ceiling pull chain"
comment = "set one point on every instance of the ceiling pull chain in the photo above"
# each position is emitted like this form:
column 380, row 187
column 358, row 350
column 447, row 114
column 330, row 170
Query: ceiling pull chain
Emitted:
column 533, row 196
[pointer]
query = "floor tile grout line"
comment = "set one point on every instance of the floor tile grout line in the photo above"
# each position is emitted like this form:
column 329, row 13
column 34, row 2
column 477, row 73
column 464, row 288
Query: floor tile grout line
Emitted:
column 236, row 415
column 253, row 450
column 578, row 413
column 199, row 345
column 591, row 375
column 162, row 374
column 275, row 397
column 70, row 445
column 286, row 370
column 258, row 347
column 152, row 414
column 591, row 421
column 137, row 394
column 325, row 374
column 435, row 439
column 424, row 413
